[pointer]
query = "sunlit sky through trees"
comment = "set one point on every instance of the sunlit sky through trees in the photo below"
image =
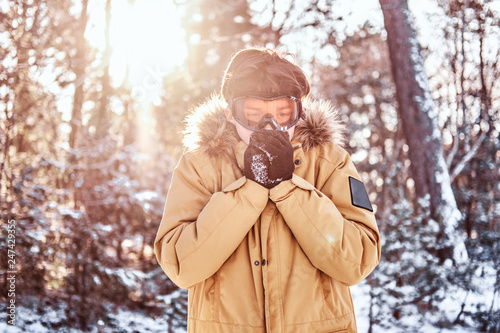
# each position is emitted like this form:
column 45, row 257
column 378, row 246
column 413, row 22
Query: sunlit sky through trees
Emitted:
column 148, row 42
column 147, row 36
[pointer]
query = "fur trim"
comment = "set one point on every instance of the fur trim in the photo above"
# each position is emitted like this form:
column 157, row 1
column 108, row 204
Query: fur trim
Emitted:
column 208, row 130
column 320, row 125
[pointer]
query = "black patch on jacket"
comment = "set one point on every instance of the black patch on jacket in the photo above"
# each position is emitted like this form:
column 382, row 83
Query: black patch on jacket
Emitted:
column 359, row 197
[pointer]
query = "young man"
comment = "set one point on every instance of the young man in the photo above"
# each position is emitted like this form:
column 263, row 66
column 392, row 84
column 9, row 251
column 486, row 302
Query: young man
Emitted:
column 266, row 221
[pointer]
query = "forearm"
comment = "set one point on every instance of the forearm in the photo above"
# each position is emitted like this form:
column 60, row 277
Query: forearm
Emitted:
column 190, row 251
column 347, row 250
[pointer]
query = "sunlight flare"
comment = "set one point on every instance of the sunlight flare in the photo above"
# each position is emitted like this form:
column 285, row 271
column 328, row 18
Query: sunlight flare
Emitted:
column 146, row 39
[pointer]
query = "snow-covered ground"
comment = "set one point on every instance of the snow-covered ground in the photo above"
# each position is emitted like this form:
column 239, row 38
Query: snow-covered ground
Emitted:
column 361, row 299
column 131, row 322
column 124, row 321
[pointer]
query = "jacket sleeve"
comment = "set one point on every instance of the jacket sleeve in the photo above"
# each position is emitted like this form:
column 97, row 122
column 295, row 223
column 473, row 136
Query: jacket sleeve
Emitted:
column 199, row 230
column 340, row 239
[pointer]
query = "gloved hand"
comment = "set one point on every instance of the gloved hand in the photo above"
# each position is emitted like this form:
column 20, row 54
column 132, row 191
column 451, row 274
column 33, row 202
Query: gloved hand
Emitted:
column 268, row 159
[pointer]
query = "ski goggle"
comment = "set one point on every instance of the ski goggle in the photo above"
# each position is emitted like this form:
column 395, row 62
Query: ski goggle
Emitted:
column 254, row 113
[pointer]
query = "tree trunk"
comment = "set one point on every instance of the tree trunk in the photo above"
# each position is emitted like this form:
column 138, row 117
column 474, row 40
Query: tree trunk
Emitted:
column 79, row 70
column 102, row 123
column 420, row 126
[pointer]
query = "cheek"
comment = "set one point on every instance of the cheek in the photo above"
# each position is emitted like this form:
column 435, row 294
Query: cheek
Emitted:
column 291, row 131
column 243, row 132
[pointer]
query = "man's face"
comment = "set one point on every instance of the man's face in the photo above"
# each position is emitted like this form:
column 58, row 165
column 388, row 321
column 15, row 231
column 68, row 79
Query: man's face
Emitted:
column 253, row 110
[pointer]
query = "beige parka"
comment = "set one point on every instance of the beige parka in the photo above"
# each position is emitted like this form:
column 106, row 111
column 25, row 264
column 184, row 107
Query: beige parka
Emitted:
column 259, row 260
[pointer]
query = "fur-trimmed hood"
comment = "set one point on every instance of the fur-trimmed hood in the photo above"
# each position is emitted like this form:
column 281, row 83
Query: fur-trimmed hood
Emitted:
column 208, row 130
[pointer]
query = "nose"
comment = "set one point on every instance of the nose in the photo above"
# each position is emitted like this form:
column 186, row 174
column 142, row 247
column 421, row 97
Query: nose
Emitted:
column 266, row 122
column 268, row 127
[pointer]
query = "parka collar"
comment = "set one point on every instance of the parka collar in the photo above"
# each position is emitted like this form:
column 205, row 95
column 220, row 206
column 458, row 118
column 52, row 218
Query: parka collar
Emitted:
column 208, row 130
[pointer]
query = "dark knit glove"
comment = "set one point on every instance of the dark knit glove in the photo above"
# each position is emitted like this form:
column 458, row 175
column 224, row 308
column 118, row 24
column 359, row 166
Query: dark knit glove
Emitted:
column 269, row 158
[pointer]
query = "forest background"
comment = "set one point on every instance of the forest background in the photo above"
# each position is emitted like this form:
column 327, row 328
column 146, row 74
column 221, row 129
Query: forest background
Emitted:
column 92, row 98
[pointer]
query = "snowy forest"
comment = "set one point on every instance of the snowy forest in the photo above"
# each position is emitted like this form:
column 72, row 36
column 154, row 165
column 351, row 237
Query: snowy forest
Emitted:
column 93, row 94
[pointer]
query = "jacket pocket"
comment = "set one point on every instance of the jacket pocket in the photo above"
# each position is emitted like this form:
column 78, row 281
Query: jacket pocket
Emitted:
column 216, row 299
column 328, row 296
column 202, row 300
column 337, row 297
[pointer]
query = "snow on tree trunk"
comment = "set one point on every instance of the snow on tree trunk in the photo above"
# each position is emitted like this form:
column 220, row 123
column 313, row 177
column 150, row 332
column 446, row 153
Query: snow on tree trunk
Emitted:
column 420, row 124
